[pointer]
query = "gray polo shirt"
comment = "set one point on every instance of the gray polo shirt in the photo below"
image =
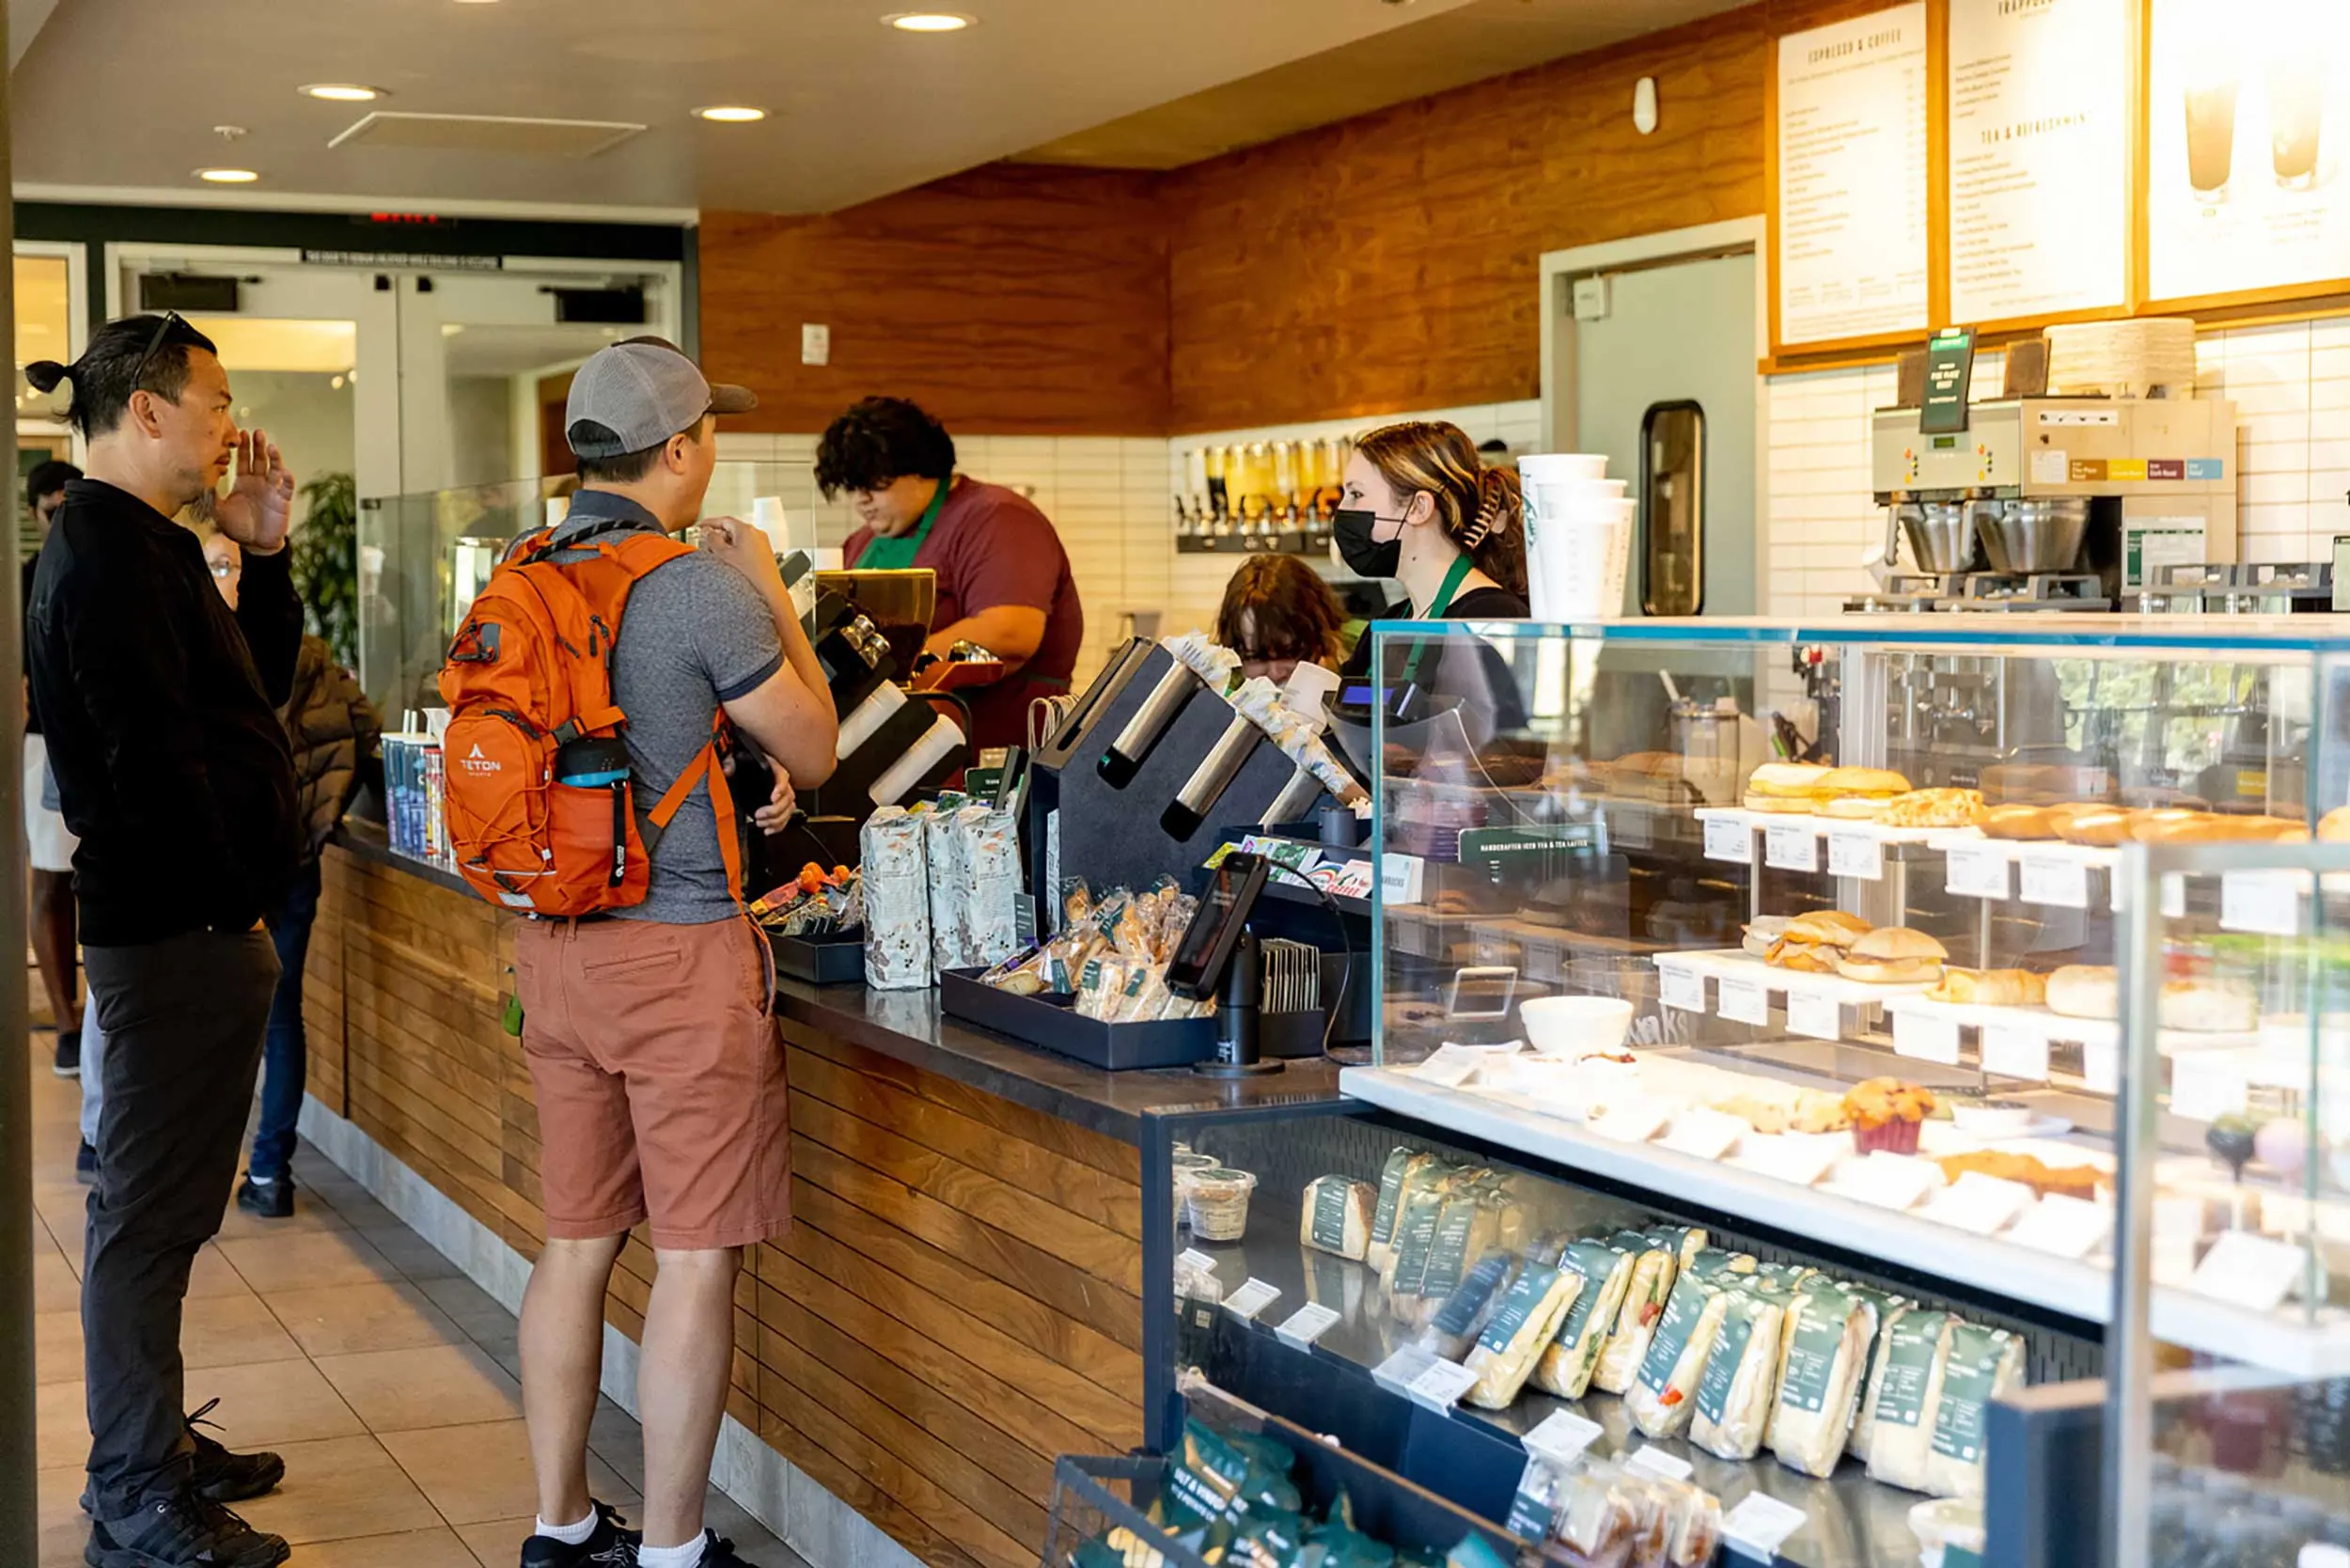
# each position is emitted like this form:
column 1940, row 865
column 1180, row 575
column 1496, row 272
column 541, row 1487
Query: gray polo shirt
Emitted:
column 695, row 635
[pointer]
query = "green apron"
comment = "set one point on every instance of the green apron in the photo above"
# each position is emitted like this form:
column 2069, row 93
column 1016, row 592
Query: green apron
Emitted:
column 896, row 555
column 1443, row 601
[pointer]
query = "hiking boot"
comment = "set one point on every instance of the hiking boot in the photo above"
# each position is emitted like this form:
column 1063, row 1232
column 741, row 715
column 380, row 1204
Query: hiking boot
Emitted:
column 222, row 1477
column 181, row 1530
column 270, row 1199
column 611, row 1545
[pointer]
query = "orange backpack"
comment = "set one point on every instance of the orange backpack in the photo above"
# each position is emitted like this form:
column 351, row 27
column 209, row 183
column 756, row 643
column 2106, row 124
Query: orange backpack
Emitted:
column 537, row 793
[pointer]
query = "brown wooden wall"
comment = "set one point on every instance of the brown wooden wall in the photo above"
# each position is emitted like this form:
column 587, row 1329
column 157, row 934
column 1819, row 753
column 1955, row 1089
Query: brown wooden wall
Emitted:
column 957, row 1301
column 1009, row 299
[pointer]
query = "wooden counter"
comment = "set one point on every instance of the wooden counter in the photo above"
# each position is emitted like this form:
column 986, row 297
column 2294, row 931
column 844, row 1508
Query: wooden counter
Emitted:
column 960, row 1297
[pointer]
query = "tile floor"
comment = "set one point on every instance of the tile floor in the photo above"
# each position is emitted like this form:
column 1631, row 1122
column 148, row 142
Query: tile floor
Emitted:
column 343, row 1340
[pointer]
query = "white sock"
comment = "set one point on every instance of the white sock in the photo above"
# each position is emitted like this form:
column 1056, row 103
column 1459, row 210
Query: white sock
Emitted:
column 570, row 1536
column 672, row 1557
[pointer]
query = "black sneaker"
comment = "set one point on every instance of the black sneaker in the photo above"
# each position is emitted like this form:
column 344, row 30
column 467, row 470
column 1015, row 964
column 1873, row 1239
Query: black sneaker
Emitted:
column 85, row 1162
column 269, row 1200
column 222, row 1477
column 181, row 1530
column 611, row 1545
column 68, row 1061
column 719, row 1552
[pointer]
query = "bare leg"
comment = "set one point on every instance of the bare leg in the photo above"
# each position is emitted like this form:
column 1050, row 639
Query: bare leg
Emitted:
column 53, row 946
column 562, row 1346
column 681, row 1387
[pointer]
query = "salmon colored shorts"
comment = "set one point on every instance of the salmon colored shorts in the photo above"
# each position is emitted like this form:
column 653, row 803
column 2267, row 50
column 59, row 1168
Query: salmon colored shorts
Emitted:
column 660, row 1081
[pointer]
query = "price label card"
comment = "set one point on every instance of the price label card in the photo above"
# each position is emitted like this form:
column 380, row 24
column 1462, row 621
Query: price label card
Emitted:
column 1657, row 1462
column 1730, row 839
column 1301, row 1328
column 1742, row 1001
column 2058, row 883
column 1677, row 987
column 1819, row 1017
column 2249, row 1270
column 1561, row 1437
column 1441, row 1384
column 1450, row 1065
column 1975, row 871
column 1251, row 1299
column 1396, row 1373
column 1926, row 1037
column 1856, row 854
column 2101, row 1067
column 1193, row 1258
column 1791, row 846
column 1759, row 1525
column 2265, row 903
column 2068, row 1227
column 2012, row 1052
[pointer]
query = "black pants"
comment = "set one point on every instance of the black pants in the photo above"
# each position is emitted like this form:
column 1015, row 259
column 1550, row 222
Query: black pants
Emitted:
column 183, row 1021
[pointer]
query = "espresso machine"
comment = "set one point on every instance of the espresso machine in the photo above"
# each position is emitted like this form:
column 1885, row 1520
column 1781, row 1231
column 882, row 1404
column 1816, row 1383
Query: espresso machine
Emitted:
column 2051, row 503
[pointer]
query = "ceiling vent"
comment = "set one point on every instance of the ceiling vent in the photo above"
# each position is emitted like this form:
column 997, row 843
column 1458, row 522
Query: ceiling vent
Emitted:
column 536, row 138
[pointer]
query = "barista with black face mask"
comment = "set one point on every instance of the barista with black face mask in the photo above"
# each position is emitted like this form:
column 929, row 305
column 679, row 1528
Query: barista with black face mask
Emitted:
column 1419, row 507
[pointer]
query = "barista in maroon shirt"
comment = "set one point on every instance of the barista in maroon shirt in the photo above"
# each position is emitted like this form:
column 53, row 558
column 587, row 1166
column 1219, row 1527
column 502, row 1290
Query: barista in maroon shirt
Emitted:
column 1003, row 577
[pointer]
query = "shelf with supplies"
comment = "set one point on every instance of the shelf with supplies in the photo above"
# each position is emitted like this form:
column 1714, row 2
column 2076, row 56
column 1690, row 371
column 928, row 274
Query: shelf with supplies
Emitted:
column 1289, row 542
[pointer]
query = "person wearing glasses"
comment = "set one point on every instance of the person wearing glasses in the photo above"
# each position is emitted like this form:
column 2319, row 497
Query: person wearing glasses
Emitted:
column 160, row 707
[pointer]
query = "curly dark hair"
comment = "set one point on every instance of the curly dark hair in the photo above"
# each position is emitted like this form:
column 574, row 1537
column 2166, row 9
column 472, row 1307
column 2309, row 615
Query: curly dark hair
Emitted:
column 138, row 353
column 1290, row 610
column 879, row 440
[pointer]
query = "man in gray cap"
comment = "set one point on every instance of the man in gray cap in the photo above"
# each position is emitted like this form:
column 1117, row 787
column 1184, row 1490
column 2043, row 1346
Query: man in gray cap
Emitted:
column 659, row 1080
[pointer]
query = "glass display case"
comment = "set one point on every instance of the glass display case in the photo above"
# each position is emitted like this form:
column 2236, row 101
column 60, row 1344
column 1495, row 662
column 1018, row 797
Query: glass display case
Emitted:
column 422, row 557
column 1646, row 960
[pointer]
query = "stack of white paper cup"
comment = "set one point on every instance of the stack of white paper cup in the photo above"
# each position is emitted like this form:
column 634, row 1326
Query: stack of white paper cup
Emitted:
column 1578, row 536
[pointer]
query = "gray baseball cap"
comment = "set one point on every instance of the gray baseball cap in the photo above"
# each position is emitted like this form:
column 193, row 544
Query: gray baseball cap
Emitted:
column 638, row 393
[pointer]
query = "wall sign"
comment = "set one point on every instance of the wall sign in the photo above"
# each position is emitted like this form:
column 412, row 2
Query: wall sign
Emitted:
column 2040, row 156
column 1852, row 178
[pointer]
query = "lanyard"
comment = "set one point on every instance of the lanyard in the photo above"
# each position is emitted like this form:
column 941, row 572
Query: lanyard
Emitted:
column 1453, row 578
column 896, row 555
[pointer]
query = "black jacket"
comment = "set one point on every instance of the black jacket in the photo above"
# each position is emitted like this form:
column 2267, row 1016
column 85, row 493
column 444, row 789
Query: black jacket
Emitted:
column 161, row 711
column 333, row 730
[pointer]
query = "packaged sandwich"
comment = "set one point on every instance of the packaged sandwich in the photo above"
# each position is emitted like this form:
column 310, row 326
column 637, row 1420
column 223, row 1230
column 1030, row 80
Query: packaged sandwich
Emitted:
column 1567, row 1362
column 1463, row 1313
column 1664, row 1392
column 1469, row 1228
column 1984, row 1363
column 1655, row 1266
column 1712, row 1263
column 1402, row 1164
column 1415, row 1238
column 1740, row 1376
column 1823, row 1367
column 1916, row 1358
column 1336, row 1216
column 1534, row 1510
column 1687, row 1243
column 1864, row 1413
column 1524, row 1323
column 1595, row 1515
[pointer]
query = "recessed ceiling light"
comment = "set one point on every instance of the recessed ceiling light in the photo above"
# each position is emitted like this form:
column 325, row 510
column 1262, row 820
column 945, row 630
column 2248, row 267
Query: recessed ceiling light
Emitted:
column 928, row 22
column 342, row 92
column 228, row 177
column 731, row 114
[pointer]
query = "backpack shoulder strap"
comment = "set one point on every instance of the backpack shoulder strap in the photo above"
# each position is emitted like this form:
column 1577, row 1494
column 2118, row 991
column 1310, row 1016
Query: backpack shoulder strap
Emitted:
column 706, row 766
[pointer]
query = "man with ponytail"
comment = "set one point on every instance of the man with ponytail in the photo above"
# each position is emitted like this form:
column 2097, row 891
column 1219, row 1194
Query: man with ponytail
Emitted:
column 159, row 704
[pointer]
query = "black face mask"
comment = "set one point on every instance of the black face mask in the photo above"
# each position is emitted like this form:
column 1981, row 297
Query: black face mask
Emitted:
column 1364, row 555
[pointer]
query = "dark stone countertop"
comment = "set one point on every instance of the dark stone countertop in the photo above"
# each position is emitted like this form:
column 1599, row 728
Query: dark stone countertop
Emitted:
column 908, row 1026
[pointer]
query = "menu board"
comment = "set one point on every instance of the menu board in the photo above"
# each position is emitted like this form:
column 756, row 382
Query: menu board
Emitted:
column 1852, row 178
column 2040, row 156
column 2248, row 135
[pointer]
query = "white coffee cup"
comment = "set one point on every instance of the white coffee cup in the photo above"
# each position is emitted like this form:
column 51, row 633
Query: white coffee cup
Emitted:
column 1537, row 467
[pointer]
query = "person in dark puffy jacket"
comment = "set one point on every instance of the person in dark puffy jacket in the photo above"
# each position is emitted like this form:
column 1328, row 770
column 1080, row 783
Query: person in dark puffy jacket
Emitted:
column 333, row 729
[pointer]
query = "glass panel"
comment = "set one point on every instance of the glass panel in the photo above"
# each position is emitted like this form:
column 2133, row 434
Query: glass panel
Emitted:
column 298, row 380
column 423, row 558
column 1672, row 508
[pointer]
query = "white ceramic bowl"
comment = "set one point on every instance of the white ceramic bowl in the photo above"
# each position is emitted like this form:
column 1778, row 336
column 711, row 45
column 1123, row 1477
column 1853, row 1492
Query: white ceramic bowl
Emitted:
column 1569, row 1025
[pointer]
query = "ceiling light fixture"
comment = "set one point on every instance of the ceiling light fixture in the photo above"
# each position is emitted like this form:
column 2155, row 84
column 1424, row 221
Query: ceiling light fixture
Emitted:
column 228, row 177
column 928, row 22
column 731, row 114
column 342, row 92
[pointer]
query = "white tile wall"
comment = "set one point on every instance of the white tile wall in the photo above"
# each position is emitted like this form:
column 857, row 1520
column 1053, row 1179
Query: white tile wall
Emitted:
column 2291, row 384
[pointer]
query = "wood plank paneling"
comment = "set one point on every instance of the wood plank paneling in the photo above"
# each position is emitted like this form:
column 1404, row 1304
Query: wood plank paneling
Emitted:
column 1006, row 301
column 956, row 1303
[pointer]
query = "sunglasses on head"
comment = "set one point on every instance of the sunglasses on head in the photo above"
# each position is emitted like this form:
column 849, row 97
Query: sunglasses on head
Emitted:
column 163, row 330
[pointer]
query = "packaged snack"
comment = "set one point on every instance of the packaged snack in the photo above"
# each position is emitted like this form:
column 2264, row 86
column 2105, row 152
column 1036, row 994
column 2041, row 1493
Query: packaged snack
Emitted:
column 1534, row 1508
column 1917, row 1359
column 1415, row 1238
column 1664, row 1392
column 1220, row 1203
column 1336, row 1216
column 1465, row 1313
column 1740, row 1375
column 990, row 852
column 1655, row 1266
column 1864, row 1413
column 1823, row 1365
column 1596, row 1516
column 1984, row 1363
column 1526, row 1320
column 1567, row 1363
column 950, row 890
column 1403, row 1170
column 1466, row 1230
column 897, row 901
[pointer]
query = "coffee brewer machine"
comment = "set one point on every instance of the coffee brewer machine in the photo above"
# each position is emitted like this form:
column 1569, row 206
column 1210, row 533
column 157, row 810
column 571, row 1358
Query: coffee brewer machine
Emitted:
column 2051, row 503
